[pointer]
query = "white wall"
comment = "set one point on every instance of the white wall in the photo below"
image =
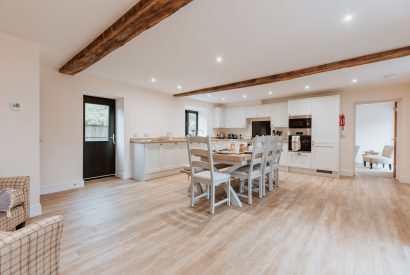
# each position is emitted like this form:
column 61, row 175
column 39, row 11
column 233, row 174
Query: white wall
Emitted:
column 19, row 138
column 61, row 121
column 374, row 127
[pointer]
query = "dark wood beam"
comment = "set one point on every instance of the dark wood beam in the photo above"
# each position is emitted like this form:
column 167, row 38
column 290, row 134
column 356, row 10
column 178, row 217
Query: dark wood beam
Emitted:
column 144, row 15
column 356, row 61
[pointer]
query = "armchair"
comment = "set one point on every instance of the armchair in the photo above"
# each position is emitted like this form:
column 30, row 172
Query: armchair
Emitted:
column 21, row 212
column 34, row 249
column 385, row 158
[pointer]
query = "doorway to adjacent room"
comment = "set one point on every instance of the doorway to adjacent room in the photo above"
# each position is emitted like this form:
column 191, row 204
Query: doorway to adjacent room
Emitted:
column 376, row 136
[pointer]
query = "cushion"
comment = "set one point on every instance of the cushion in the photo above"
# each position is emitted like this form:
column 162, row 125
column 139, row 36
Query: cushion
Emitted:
column 206, row 175
column 10, row 198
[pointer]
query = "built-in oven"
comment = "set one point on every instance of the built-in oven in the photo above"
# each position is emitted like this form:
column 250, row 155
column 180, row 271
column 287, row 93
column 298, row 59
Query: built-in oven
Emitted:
column 300, row 122
column 300, row 140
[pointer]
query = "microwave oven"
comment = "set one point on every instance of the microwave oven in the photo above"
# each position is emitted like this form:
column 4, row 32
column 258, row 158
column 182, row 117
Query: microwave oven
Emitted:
column 300, row 122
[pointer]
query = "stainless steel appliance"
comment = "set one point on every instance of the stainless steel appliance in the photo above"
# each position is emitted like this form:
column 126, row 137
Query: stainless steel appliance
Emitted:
column 300, row 122
column 305, row 139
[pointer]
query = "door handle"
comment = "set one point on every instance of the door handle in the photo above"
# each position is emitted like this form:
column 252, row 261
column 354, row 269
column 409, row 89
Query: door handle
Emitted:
column 113, row 139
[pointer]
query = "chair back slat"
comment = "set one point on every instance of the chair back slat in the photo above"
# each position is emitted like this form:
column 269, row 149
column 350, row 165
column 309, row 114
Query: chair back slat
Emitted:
column 199, row 153
column 198, row 139
column 201, row 164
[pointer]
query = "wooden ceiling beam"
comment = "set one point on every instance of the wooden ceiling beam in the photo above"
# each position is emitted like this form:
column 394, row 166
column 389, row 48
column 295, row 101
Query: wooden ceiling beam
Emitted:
column 144, row 15
column 352, row 62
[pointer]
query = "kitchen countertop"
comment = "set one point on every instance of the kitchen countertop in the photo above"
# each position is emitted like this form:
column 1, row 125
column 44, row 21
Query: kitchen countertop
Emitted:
column 157, row 140
column 227, row 139
column 181, row 139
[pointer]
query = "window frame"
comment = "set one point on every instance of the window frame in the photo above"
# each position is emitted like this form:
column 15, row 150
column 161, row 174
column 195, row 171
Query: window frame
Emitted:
column 187, row 112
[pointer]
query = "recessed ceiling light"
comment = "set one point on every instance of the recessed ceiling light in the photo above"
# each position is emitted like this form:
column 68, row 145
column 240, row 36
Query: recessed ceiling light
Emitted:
column 270, row 92
column 223, row 99
column 307, row 87
column 354, row 80
column 389, row 76
column 244, row 96
column 179, row 87
column 219, row 59
column 348, row 18
column 153, row 80
column 209, row 95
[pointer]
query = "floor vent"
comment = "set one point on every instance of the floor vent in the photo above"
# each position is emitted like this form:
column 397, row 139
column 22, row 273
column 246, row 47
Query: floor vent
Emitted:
column 324, row 171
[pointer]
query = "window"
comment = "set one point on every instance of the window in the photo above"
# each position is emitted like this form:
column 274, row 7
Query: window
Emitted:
column 96, row 122
column 191, row 123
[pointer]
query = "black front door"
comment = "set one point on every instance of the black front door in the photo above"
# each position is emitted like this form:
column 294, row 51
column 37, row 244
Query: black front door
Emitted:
column 99, row 137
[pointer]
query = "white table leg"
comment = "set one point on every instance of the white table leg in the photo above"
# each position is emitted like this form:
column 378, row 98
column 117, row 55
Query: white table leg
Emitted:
column 234, row 197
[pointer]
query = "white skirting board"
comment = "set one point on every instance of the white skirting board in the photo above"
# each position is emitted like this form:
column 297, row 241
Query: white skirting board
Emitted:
column 347, row 173
column 35, row 210
column 123, row 175
column 403, row 179
column 61, row 187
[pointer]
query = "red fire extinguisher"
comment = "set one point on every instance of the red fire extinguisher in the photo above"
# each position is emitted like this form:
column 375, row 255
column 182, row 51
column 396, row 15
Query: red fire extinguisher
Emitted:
column 342, row 121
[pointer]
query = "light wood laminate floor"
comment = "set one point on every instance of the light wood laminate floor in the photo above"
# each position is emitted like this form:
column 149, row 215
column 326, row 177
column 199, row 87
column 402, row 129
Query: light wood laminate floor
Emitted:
column 309, row 225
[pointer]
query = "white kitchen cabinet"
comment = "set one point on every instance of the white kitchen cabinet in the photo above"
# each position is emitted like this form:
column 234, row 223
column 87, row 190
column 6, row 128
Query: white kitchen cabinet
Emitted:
column 235, row 118
column 152, row 158
column 279, row 115
column 300, row 107
column 181, row 154
column 168, row 157
column 300, row 159
column 218, row 117
column 258, row 111
column 325, row 133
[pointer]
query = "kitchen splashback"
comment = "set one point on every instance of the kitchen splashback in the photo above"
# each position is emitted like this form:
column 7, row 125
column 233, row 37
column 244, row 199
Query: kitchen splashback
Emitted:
column 247, row 132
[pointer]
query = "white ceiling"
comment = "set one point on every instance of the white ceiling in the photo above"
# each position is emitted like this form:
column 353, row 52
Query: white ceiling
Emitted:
column 255, row 38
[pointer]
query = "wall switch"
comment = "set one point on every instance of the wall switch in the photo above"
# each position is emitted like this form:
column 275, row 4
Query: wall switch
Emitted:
column 15, row 106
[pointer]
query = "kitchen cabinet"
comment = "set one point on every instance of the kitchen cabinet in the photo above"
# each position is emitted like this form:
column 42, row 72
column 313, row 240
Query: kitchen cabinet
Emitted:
column 325, row 133
column 257, row 111
column 168, row 156
column 154, row 160
column 300, row 159
column 300, row 107
column 218, row 117
column 235, row 118
column 279, row 115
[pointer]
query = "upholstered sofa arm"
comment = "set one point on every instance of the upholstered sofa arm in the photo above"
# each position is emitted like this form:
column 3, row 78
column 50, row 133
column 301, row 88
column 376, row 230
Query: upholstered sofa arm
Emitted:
column 20, row 183
column 35, row 249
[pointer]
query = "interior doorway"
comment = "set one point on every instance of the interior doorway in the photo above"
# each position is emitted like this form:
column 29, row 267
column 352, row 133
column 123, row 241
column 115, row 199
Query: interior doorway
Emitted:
column 99, row 137
column 376, row 139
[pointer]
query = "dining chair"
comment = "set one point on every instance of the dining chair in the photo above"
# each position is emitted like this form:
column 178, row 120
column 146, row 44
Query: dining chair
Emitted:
column 203, row 172
column 276, row 154
column 268, row 164
column 252, row 171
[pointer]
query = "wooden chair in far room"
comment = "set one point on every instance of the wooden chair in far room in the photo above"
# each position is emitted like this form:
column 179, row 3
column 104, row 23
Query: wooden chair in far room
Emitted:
column 203, row 172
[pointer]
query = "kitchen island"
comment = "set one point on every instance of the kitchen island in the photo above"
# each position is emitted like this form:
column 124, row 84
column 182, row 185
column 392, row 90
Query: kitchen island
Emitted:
column 153, row 158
